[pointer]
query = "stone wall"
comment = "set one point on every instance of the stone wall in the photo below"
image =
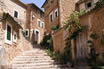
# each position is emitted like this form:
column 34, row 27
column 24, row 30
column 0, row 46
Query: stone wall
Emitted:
column 66, row 9
column 9, row 7
column 59, row 40
column 32, row 23
column 94, row 21
column 16, row 48
column 51, row 9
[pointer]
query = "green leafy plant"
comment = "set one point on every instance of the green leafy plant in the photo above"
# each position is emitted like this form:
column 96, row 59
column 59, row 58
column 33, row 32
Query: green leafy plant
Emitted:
column 93, row 36
column 55, row 27
column 51, row 54
column 99, row 4
column 24, row 34
column 92, row 59
column 47, row 42
column 74, row 28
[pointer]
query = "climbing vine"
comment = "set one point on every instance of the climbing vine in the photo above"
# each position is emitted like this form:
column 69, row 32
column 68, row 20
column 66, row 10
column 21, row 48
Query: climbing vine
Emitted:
column 73, row 26
column 99, row 4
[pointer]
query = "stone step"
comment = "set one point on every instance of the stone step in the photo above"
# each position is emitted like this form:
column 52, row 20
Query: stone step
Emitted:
column 39, row 61
column 37, row 56
column 39, row 66
column 31, row 59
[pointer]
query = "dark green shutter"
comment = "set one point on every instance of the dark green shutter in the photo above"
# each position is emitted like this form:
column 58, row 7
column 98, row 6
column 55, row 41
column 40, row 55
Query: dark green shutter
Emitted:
column 8, row 32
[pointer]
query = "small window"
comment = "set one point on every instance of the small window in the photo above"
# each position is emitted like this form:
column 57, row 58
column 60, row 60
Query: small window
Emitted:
column 15, row 37
column 16, row 14
column 38, row 13
column 89, row 5
column 42, row 25
column 27, row 32
column 38, row 22
column 56, row 13
column 8, row 34
column 51, row 17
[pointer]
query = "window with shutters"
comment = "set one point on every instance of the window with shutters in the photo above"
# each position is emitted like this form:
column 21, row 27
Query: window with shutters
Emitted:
column 8, row 34
column 16, row 14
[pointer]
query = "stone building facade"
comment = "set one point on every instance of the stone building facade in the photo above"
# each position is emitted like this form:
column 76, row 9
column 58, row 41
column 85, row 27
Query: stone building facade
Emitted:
column 63, row 9
column 12, row 22
column 35, row 23
column 94, row 21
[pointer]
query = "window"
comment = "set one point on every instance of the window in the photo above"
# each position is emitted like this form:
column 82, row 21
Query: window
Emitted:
column 38, row 12
column 16, row 14
column 56, row 13
column 51, row 16
column 8, row 34
column 42, row 24
column 27, row 32
column 38, row 22
column 89, row 4
column 15, row 37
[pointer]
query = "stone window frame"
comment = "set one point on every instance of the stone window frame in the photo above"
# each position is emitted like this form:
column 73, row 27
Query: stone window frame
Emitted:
column 51, row 20
column 14, row 33
column 6, row 40
column 56, row 10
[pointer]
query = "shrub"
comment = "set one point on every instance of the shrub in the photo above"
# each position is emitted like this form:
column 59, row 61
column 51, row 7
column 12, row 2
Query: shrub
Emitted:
column 47, row 42
column 51, row 54
column 55, row 27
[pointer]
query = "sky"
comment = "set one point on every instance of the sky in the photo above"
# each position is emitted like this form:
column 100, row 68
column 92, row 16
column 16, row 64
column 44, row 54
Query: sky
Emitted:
column 39, row 3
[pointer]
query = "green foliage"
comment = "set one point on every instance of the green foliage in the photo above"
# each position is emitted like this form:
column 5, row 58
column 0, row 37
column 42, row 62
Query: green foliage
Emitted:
column 92, row 59
column 51, row 54
column 73, row 26
column 54, row 27
column 24, row 34
column 103, row 55
column 99, row 4
column 67, row 55
column 74, row 21
column 47, row 42
column 102, row 41
column 93, row 36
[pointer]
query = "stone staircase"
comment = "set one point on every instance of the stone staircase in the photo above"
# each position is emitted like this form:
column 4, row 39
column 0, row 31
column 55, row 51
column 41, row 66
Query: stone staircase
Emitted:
column 36, row 59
